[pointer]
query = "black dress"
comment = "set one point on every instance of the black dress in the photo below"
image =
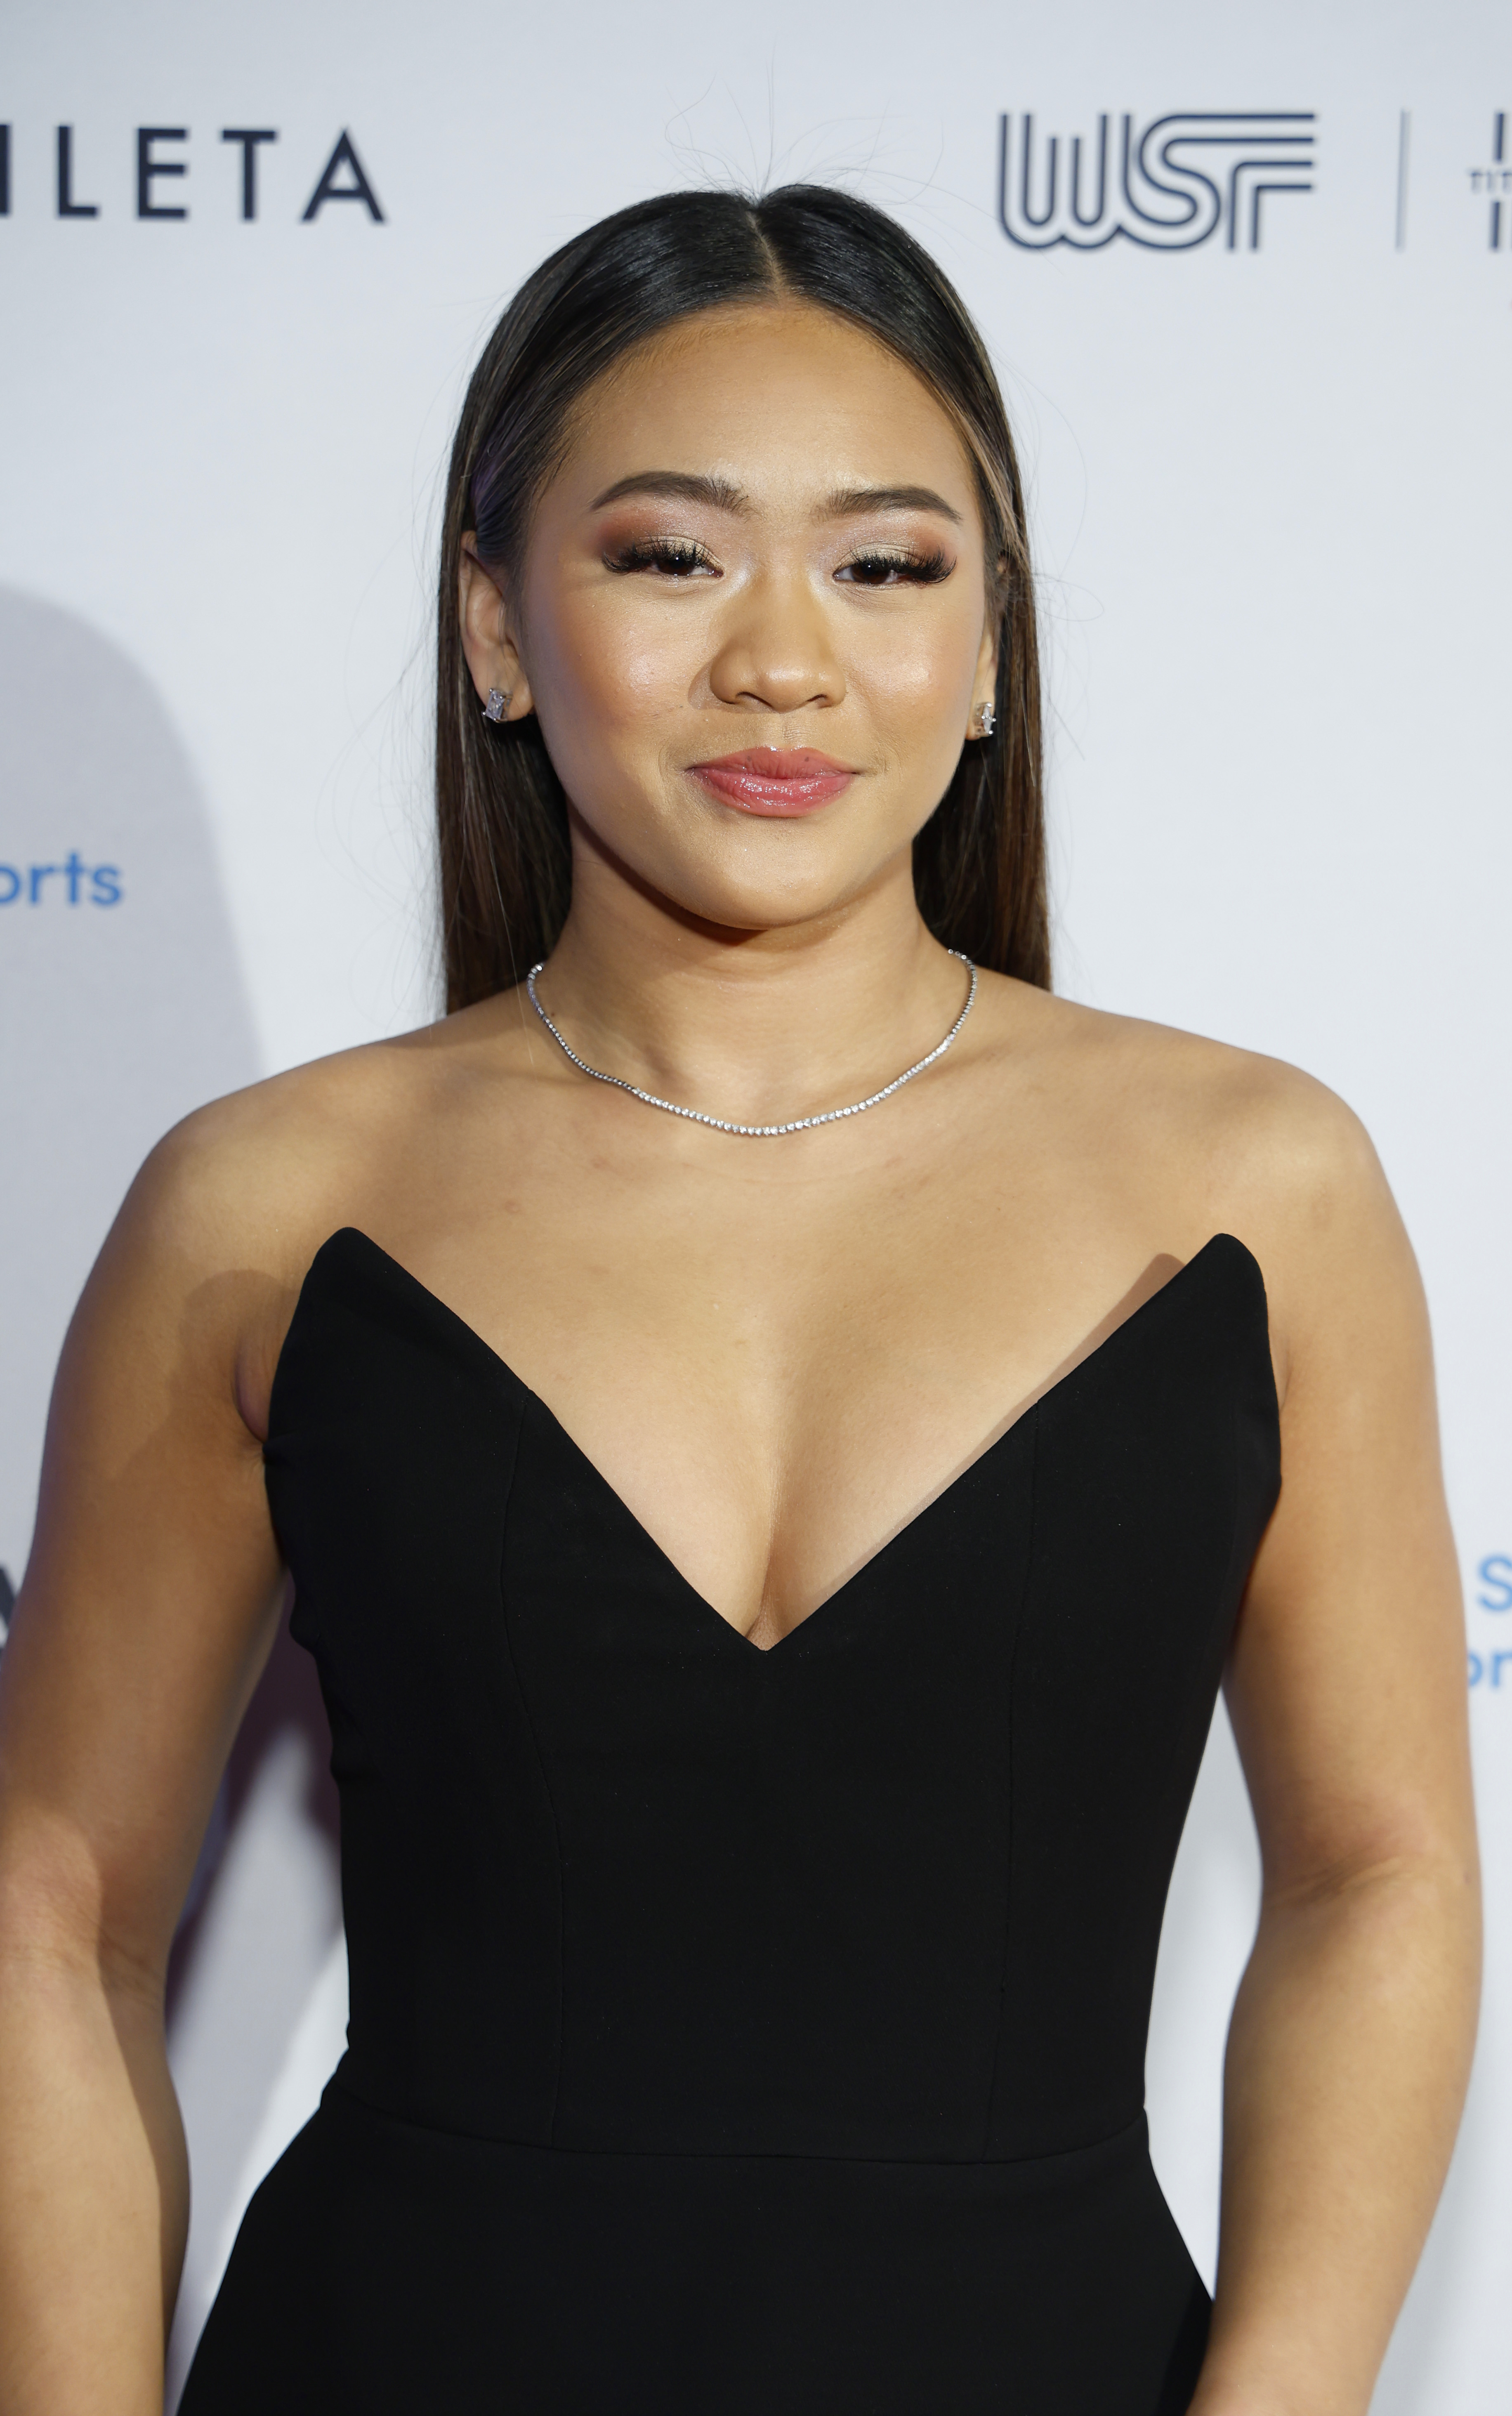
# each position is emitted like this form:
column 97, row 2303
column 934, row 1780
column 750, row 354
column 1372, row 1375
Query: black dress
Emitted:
column 740, row 2032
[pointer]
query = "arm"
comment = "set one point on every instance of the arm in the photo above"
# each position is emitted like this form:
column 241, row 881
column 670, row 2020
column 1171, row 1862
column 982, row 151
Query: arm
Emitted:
column 149, row 1609
column 1352, row 2036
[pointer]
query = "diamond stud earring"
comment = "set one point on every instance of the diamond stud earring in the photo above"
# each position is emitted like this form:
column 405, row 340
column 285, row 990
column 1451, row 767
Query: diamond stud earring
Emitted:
column 985, row 721
column 497, row 706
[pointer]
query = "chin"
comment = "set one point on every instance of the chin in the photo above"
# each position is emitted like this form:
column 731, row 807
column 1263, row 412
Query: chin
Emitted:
column 747, row 911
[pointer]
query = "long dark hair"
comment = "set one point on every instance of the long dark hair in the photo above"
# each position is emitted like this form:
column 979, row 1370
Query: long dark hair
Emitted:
column 505, row 862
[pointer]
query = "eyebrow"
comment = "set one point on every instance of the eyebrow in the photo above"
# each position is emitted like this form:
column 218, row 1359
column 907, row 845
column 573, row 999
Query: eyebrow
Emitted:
column 679, row 484
column 847, row 500
column 683, row 486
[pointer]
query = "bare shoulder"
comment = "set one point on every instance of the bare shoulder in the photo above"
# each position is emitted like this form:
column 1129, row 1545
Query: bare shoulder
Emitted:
column 1224, row 1140
column 247, row 1178
column 1235, row 1114
column 218, row 1228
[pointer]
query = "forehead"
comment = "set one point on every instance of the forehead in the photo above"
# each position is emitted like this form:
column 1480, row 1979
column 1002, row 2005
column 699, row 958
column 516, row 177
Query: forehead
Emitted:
column 784, row 397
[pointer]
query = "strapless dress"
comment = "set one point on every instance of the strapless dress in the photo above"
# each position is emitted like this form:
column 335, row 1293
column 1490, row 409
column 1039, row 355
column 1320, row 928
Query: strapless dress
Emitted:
column 741, row 2032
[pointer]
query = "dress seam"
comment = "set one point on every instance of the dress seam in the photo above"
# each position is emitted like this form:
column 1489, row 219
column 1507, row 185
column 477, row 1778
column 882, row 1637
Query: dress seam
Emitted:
column 341, row 2089
column 1026, row 1585
column 546, row 1789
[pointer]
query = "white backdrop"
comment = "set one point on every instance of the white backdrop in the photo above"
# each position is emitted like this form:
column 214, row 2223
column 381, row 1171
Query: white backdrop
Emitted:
column 1266, row 434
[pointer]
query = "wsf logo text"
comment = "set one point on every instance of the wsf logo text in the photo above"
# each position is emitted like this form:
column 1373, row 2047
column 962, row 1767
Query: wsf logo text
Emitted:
column 1169, row 187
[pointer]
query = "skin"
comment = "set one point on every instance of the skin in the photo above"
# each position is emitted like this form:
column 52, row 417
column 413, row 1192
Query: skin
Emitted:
column 824, row 1331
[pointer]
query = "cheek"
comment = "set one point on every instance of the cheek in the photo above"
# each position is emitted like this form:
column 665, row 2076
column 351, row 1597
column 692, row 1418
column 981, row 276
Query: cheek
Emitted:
column 919, row 676
column 604, row 667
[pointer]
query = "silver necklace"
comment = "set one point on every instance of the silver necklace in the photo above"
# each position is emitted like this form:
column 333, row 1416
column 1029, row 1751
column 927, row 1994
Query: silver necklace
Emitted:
column 757, row 1132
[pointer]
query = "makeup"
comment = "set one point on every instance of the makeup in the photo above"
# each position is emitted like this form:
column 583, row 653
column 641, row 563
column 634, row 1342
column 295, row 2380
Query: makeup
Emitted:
column 778, row 782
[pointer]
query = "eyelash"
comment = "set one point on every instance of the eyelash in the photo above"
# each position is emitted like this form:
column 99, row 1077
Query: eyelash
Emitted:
column 675, row 556
column 917, row 569
column 680, row 558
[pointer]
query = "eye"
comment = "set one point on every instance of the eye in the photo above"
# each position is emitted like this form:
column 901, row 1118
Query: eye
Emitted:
column 672, row 557
column 878, row 567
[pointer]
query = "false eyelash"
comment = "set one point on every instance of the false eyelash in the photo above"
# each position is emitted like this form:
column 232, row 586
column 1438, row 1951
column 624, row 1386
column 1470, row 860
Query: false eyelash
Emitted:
column 917, row 569
column 675, row 556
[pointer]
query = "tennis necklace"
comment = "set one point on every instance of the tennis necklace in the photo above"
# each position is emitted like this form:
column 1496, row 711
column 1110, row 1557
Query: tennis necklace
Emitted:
column 758, row 1132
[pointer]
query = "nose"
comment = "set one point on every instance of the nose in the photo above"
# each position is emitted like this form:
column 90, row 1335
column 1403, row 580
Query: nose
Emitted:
column 776, row 652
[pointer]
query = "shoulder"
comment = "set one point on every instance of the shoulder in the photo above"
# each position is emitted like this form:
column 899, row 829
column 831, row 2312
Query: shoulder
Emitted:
column 1227, row 1118
column 1208, row 1137
column 217, row 1232
column 249, row 1177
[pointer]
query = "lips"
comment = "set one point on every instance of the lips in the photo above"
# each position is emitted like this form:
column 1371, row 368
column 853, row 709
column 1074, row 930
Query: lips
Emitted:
column 775, row 781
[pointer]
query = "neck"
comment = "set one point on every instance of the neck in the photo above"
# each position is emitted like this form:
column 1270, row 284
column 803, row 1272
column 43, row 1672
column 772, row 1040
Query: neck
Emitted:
column 754, row 1025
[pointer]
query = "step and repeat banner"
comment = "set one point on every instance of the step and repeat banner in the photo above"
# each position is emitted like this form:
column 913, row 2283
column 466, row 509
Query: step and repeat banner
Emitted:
column 1247, row 277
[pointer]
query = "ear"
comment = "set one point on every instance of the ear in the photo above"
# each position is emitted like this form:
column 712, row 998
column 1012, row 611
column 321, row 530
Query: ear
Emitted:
column 984, row 687
column 488, row 640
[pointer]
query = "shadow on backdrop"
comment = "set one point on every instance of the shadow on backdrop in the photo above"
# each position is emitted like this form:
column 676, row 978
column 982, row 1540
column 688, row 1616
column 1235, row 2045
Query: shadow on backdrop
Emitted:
column 123, row 1007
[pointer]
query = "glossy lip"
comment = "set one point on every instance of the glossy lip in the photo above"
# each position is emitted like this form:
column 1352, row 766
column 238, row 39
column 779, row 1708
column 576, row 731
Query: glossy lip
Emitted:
column 778, row 782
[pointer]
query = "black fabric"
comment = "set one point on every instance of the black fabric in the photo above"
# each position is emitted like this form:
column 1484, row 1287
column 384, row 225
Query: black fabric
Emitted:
column 738, row 2030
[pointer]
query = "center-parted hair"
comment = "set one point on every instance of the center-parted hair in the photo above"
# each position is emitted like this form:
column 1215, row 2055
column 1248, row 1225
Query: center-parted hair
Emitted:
column 505, row 856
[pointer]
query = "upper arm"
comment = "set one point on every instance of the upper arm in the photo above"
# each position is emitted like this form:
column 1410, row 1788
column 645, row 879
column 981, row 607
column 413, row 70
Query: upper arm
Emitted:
column 1347, row 1684
column 154, row 1586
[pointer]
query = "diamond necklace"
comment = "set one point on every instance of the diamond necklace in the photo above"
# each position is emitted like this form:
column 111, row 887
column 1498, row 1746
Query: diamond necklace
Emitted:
column 757, row 1132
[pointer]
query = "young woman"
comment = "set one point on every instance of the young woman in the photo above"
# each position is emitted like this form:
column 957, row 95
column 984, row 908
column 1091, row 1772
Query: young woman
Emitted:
column 778, row 1425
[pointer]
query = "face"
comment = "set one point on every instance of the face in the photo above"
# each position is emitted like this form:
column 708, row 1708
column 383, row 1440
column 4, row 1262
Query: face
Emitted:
column 752, row 617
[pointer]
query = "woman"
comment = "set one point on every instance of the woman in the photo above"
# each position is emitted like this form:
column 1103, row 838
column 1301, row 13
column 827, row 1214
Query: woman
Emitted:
column 769, row 1563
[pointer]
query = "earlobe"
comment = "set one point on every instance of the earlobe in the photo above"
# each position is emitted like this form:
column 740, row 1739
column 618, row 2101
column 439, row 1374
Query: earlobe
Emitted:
column 983, row 713
column 488, row 643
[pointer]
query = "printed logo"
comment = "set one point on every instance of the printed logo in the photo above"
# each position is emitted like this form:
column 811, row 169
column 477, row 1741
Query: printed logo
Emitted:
column 27, row 885
column 1495, row 1575
column 164, row 162
column 1183, row 180
column 1495, row 184
column 1493, row 1591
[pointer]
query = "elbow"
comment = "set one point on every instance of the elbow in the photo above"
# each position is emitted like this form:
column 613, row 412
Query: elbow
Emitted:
column 55, row 1933
column 1405, row 1923
column 1433, row 1873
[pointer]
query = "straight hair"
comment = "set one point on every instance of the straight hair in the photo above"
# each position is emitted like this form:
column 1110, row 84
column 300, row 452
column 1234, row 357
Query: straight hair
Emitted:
column 502, row 818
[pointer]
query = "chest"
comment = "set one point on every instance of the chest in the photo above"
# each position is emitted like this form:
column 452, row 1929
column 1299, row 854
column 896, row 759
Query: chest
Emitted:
column 567, row 1770
column 777, row 1356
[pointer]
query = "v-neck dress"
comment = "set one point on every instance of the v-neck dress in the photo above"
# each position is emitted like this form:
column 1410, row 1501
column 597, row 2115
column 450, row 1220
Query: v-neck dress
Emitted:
column 740, row 2032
